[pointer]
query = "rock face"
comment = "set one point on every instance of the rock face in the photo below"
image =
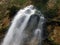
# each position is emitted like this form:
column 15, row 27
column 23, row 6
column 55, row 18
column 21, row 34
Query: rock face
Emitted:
column 50, row 9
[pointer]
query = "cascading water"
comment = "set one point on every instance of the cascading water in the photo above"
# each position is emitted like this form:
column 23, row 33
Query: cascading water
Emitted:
column 26, row 28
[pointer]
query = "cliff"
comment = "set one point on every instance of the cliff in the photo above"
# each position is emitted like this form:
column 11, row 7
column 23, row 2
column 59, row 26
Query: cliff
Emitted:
column 50, row 9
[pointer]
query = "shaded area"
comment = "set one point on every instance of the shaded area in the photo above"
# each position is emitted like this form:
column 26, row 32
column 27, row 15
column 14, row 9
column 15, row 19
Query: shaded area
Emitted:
column 39, row 4
column 13, row 11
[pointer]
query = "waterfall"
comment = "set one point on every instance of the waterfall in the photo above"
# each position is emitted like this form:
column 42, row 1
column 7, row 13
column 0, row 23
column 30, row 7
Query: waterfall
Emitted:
column 26, row 28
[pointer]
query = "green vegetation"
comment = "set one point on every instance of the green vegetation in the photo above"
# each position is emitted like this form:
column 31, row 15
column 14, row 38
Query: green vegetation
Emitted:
column 49, row 8
column 22, row 1
column 13, row 11
column 51, row 13
column 40, row 4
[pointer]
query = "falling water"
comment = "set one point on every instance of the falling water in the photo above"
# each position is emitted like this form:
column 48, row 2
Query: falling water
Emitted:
column 26, row 28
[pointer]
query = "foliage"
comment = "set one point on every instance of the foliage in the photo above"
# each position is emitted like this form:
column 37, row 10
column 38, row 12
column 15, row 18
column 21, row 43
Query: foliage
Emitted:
column 51, row 13
column 22, row 1
column 39, row 3
column 12, row 6
column 13, row 10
